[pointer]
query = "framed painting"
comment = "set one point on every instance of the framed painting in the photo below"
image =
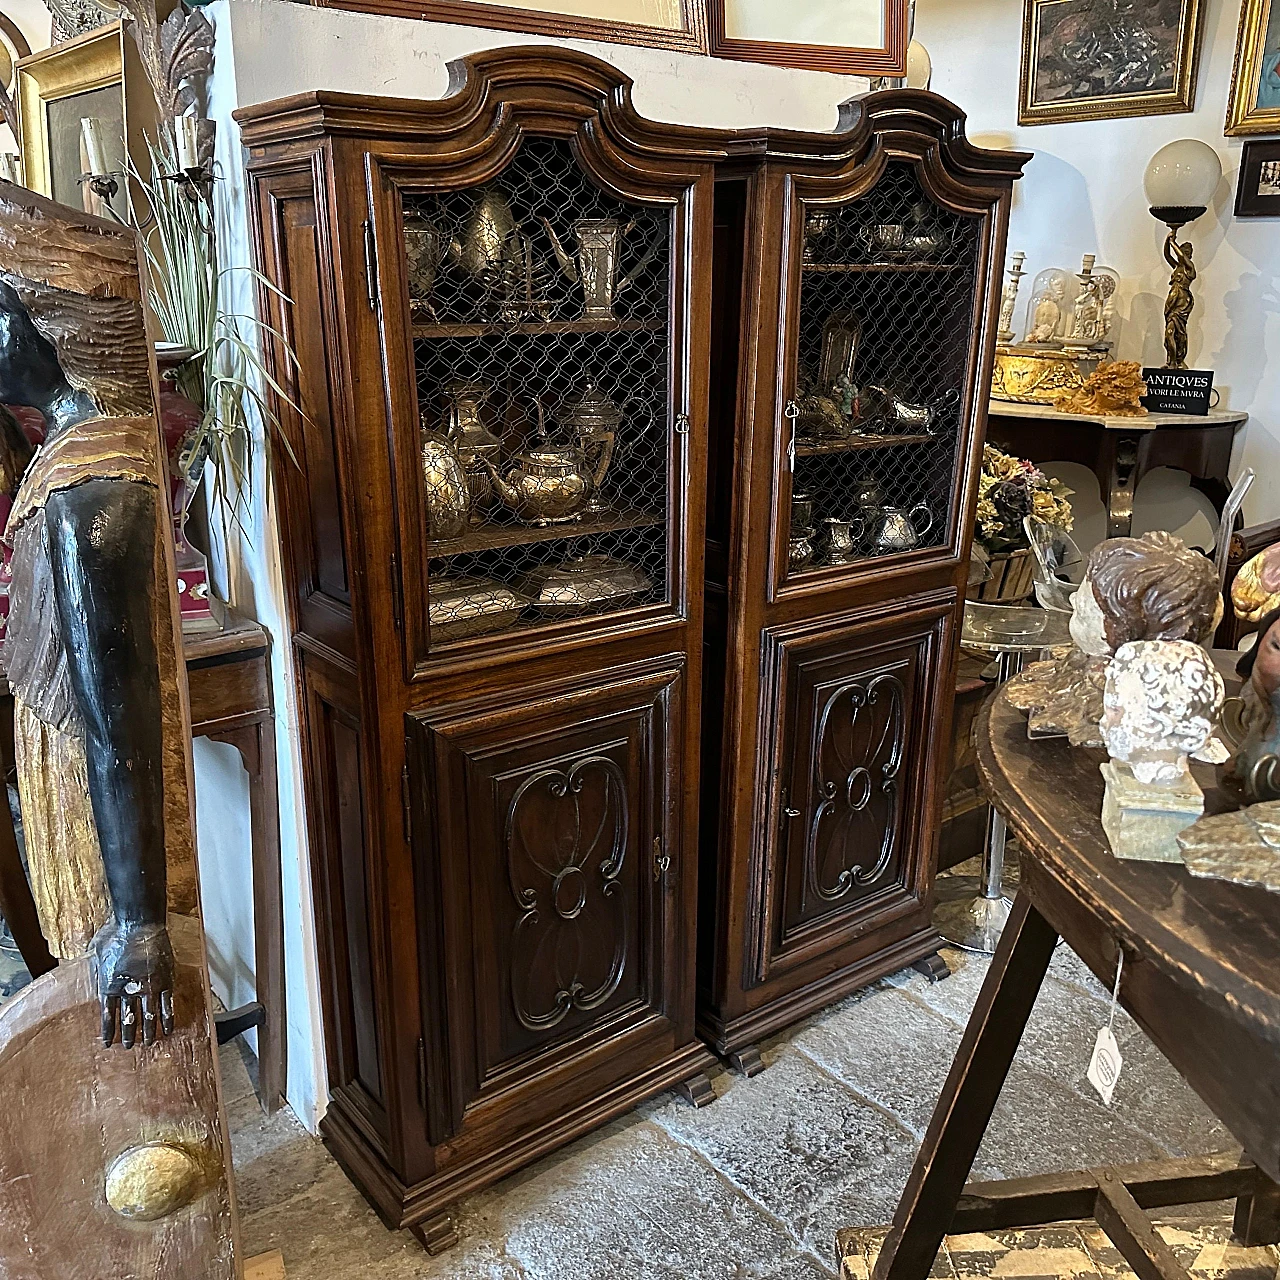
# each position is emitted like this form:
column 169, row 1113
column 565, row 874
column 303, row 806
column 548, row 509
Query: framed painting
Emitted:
column 1106, row 59
column 1258, row 191
column 57, row 88
column 853, row 37
column 665, row 24
column 1254, row 104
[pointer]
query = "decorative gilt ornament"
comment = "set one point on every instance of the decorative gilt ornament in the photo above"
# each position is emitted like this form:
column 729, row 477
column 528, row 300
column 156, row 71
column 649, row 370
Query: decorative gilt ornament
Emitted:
column 1114, row 389
column 1256, row 589
column 1036, row 375
column 151, row 1182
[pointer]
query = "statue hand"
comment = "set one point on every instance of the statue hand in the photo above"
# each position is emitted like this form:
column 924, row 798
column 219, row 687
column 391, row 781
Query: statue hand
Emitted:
column 135, row 982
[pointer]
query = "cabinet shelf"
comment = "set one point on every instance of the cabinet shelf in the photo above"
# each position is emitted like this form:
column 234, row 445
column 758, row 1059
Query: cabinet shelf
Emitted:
column 856, row 444
column 537, row 327
column 491, row 538
column 851, row 268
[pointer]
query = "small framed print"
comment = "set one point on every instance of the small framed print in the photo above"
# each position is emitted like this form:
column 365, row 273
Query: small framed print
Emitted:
column 1107, row 59
column 1258, row 191
column 854, row 37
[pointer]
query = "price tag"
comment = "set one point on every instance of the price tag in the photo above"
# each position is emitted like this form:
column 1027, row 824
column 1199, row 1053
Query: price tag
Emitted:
column 1104, row 1067
column 1106, row 1063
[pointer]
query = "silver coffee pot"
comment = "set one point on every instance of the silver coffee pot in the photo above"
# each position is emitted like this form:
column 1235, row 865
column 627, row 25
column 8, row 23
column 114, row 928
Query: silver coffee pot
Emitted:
column 891, row 529
column 595, row 420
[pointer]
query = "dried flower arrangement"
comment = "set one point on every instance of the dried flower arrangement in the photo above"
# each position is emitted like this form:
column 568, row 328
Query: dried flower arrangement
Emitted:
column 1008, row 490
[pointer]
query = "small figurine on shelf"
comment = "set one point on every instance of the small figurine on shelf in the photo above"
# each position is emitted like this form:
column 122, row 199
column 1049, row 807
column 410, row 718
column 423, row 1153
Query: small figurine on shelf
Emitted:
column 1010, row 299
column 1114, row 390
column 1093, row 312
column 1160, row 705
column 1149, row 588
column 1253, row 773
column 1047, row 306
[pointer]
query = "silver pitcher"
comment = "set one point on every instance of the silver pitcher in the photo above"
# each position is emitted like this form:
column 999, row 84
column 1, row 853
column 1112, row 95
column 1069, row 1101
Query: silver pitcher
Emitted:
column 595, row 264
column 448, row 496
column 469, row 432
column 892, row 529
column 840, row 540
column 594, row 419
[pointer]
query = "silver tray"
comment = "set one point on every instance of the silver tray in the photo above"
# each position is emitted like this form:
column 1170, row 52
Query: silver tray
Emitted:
column 582, row 585
column 459, row 607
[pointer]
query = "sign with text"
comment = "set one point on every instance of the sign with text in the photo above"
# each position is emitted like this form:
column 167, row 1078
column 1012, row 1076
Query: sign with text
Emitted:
column 1178, row 390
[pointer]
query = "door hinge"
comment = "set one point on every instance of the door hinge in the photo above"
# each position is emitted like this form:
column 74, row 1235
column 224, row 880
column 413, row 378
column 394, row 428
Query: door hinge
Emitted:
column 397, row 593
column 422, row 1073
column 661, row 860
column 406, row 807
column 371, row 264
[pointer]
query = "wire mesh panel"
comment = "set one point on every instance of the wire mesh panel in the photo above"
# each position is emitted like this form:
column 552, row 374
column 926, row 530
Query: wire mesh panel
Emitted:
column 886, row 324
column 540, row 309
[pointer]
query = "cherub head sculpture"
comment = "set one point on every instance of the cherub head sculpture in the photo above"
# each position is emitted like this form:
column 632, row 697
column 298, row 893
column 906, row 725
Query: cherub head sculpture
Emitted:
column 1161, row 704
column 1149, row 588
column 1256, row 590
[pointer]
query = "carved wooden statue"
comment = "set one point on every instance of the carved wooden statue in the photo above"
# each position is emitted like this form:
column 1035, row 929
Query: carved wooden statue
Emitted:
column 1148, row 588
column 112, row 1137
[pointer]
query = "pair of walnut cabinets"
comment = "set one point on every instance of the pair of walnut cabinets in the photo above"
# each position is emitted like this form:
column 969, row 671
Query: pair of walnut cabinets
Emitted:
column 589, row 799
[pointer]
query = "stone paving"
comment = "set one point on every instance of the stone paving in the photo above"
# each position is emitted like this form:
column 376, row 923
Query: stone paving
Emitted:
column 755, row 1186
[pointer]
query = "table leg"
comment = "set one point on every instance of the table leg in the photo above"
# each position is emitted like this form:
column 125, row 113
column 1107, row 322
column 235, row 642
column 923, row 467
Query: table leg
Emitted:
column 1257, row 1219
column 1120, row 481
column 976, row 923
column 969, row 1096
column 257, row 747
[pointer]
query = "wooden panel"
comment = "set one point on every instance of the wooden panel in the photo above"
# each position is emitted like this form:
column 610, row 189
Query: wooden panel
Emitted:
column 545, row 822
column 234, row 685
column 854, row 802
column 337, row 806
column 293, row 249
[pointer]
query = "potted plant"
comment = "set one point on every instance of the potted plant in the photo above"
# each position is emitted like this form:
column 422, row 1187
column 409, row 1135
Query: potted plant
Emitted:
column 1010, row 489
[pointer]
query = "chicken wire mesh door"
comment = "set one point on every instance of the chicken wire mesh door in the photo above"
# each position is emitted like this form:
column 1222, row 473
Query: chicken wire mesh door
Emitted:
column 540, row 309
column 886, row 325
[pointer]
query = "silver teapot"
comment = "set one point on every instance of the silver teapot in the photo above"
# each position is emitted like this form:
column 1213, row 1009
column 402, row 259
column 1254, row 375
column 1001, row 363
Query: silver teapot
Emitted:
column 891, row 529
column 548, row 484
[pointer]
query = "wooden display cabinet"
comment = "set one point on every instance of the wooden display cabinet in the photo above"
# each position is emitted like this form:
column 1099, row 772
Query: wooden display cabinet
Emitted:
column 498, row 560
column 838, row 546
column 500, row 692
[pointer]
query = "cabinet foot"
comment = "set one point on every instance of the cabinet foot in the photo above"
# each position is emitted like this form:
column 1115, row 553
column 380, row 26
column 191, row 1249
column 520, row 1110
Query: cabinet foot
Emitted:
column 933, row 967
column 747, row 1062
column 697, row 1091
column 436, row 1234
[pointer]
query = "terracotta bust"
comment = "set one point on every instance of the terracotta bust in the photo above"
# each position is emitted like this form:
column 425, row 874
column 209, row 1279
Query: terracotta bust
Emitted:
column 1149, row 588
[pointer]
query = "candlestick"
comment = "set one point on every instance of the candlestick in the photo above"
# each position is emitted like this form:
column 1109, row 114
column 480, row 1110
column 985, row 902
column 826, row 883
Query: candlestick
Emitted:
column 95, row 147
column 188, row 140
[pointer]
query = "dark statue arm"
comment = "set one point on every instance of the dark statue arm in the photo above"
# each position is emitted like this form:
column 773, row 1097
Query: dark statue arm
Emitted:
column 102, row 551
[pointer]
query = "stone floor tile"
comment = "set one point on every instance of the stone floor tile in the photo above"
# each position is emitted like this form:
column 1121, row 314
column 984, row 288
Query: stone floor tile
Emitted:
column 275, row 1157
column 325, row 1231
column 1041, row 1126
column 790, row 1136
column 953, row 997
column 803, row 1266
column 889, row 1049
column 237, row 1068
column 866, row 1201
column 1066, row 966
column 639, row 1205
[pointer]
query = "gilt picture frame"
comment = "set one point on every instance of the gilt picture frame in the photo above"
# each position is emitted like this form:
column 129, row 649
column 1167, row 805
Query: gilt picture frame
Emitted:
column 662, row 24
column 1253, row 105
column 1108, row 59
column 849, row 37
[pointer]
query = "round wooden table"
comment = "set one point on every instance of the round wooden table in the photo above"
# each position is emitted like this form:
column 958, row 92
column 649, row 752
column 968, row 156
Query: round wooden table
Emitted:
column 1201, row 976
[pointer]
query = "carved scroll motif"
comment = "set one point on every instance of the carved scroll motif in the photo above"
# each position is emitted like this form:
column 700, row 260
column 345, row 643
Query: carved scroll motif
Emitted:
column 847, row 821
column 565, row 843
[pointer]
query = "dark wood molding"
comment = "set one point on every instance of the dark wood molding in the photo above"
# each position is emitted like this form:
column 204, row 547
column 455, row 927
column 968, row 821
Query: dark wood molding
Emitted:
column 889, row 59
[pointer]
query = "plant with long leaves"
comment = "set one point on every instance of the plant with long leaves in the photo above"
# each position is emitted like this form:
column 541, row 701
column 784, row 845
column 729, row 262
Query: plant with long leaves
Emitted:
column 227, row 376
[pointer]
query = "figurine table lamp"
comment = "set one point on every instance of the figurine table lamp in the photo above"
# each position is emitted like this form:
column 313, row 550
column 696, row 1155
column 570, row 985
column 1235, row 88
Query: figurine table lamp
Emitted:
column 1179, row 183
column 1161, row 703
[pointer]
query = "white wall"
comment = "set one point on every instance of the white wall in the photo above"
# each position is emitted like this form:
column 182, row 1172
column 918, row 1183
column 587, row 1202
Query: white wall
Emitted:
column 268, row 49
column 1083, row 194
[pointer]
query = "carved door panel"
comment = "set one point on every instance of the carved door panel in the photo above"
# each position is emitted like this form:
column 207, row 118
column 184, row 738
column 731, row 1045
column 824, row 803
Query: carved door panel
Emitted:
column 854, row 765
column 546, row 856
